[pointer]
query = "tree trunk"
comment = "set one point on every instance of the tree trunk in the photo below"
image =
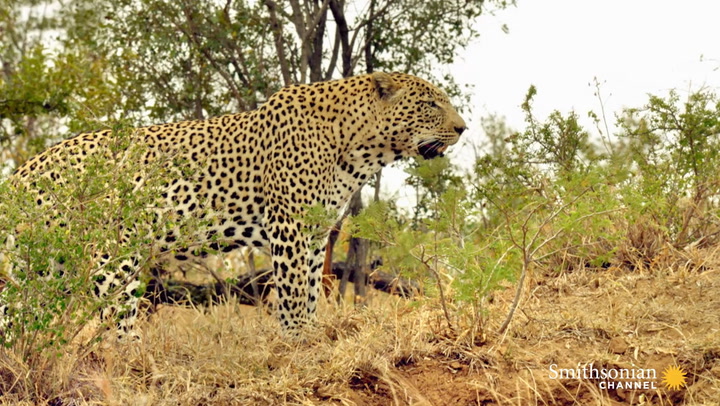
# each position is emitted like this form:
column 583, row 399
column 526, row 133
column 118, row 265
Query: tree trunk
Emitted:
column 356, row 256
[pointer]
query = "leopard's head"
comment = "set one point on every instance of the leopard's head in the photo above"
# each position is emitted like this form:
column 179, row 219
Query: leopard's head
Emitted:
column 418, row 117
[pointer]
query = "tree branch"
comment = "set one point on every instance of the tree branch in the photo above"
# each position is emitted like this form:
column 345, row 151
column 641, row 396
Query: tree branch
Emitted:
column 279, row 43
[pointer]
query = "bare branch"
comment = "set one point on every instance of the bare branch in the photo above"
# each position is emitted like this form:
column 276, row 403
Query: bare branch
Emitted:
column 334, row 56
column 339, row 14
column 279, row 43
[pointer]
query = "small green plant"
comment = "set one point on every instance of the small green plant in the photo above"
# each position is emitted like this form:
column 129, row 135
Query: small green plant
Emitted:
column 317, row 220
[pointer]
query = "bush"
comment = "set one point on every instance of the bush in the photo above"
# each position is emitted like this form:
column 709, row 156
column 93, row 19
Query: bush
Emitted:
column 53, row 249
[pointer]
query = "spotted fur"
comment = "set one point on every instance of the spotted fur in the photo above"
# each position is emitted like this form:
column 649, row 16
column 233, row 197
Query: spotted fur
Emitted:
column 257, row 171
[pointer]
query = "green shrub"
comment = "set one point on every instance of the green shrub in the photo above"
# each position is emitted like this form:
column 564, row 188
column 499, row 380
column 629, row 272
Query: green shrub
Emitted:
column 90, row 212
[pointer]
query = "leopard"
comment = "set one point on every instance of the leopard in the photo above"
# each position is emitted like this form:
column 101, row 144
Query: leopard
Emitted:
column 260, row 171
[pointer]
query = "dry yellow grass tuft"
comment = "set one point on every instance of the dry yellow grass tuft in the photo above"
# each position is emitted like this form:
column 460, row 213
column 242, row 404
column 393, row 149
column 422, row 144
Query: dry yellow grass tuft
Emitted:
column 399, row 353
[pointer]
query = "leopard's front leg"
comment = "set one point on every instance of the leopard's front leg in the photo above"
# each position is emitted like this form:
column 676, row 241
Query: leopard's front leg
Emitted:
column 289, row 248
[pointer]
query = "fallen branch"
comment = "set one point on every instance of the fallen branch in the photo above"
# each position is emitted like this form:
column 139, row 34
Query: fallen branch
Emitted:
column 382, row 281
column 183, row 293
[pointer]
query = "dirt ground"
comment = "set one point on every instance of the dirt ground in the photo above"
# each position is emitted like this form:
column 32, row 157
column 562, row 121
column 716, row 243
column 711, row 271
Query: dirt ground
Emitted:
column 610, row 318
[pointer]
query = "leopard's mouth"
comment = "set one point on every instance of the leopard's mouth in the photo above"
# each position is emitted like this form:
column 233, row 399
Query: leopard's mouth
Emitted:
column 432, row 149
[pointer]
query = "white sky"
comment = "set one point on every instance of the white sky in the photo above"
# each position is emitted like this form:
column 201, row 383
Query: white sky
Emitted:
column 633, row 47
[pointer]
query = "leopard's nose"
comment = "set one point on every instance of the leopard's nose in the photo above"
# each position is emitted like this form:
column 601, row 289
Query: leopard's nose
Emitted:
column 460, row 130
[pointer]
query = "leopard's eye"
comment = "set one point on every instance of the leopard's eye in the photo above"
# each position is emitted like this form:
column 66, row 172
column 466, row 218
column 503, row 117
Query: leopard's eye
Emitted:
column 432, row 104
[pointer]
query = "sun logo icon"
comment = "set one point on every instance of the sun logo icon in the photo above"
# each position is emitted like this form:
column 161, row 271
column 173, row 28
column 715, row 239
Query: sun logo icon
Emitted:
column 674, row 377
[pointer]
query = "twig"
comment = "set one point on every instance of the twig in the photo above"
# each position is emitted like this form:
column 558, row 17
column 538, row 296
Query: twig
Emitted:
column 529, row 253
column 440, row 287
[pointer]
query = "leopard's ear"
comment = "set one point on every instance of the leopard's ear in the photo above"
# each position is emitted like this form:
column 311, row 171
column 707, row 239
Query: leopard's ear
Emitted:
column 388, row 89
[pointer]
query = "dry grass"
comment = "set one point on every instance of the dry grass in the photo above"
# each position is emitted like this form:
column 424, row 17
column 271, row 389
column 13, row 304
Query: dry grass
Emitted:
column 398, row 353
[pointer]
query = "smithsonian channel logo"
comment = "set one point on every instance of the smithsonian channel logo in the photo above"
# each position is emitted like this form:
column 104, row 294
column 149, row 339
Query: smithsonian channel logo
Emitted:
column 673, row 377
